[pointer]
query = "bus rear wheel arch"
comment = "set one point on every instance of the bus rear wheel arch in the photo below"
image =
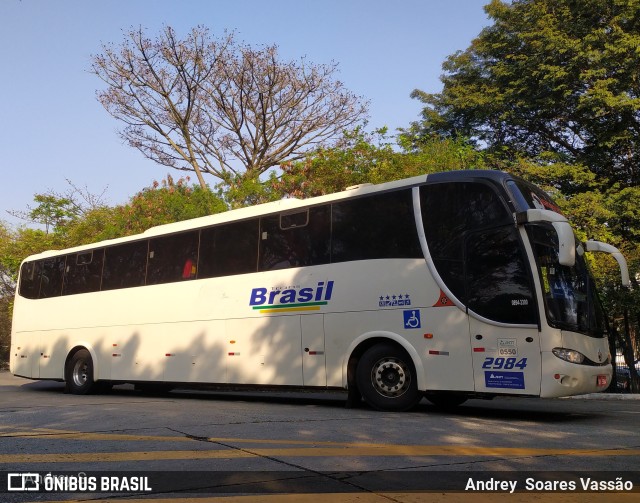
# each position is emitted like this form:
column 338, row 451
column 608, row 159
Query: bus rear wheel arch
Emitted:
column 386, row 377
column 78, row 373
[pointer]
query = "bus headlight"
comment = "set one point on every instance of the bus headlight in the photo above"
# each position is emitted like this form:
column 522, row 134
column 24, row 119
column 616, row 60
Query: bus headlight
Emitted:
column 569, row 355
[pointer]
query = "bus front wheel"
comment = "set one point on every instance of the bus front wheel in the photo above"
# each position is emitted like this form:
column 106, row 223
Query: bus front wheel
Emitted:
column 79, row 373
column 386, row 378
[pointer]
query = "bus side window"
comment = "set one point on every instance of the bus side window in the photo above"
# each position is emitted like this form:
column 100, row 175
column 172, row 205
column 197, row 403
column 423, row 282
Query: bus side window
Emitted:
column 52, row 277
column 83, row 272
column 380, row 226
column 172, row 258
column 229, row 249
column 124, row 265
column 295, row 239
column 30, row 279
column 449, row 212
column 498, row 279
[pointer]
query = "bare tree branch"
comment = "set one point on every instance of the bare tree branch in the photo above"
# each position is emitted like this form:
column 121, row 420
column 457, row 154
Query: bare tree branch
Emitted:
column 219, row 107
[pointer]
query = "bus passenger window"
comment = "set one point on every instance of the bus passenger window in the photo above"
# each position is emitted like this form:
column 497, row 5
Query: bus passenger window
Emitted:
column 295, row 239
column 380, row 226
column 172, row 258
column 83, row 272
column 228, row 249
column 52, row 276
column 124, row 265
column 30, row 279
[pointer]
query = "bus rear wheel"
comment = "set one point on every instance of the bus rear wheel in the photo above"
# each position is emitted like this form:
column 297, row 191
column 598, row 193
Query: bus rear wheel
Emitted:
column 386, row 378
column 79, row 373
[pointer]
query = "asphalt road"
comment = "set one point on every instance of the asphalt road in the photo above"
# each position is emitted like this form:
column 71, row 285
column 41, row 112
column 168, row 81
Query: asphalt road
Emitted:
column 250, row 446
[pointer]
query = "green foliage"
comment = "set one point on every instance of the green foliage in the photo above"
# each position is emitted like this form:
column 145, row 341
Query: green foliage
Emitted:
column 558, row 76
column 371, row 158
column 243, row 190
column 5, row 330
column 51, row 211
column 95, row 224
column 25, row 242
column 164, row 203
column 355, row 160
column 625, row 209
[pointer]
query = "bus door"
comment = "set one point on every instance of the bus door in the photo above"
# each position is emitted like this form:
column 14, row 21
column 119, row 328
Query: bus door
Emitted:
column 503, row 320
column 505, row 359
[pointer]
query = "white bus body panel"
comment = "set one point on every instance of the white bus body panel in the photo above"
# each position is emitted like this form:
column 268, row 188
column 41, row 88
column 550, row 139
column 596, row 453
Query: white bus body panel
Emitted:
column 206, row 332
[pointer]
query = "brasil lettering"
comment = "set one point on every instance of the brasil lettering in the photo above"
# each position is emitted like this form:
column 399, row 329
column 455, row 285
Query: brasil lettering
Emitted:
column 291, row 299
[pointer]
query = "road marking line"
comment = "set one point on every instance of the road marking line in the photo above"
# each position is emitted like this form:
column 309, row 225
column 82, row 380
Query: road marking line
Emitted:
column 45, row 433
column 108, row 457
column 48, row 433
column 362, row 451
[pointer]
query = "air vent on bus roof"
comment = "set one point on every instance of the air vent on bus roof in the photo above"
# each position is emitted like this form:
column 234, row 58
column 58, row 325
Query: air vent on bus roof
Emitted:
column 359, row 186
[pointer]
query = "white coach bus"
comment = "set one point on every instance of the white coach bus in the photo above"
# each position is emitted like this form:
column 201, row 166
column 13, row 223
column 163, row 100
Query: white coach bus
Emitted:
column 450, row 285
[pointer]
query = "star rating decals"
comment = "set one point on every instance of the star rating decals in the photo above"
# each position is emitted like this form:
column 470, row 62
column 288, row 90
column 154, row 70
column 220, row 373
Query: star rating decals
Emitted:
column 394, row 300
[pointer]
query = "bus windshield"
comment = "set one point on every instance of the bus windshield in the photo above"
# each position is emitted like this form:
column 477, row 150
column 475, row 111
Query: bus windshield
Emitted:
column 569, row 293
column 570, row 298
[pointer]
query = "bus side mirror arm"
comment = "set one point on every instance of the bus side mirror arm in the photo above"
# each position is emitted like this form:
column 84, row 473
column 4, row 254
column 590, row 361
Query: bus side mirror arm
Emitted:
column 566, row 239
column 597, row 246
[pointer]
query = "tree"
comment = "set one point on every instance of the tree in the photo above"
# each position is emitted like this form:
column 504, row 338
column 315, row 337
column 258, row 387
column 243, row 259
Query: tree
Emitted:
column 549, row 76
column 361, row 157
column 7, row 283
column 56, row 211
column 165, row 202
column 52, row 211
column 551, row 90
column 220, row 107
column 14, row 247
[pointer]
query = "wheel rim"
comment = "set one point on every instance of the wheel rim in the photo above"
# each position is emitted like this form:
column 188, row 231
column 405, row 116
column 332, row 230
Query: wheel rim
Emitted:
column 391, row 377
column 80, row 373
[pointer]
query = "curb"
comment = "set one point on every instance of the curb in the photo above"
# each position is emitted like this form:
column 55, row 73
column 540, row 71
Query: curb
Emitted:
column 605, row 396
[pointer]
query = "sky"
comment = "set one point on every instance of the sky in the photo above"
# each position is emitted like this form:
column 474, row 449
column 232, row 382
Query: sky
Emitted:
column 53, row 130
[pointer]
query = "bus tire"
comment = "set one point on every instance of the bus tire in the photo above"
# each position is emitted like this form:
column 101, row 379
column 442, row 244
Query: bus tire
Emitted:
column 386, row 378
column 79, row 373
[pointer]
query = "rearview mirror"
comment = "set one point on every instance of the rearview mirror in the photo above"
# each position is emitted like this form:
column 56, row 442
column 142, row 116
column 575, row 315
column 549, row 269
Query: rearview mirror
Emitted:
column 597, row 246
column 566, row 239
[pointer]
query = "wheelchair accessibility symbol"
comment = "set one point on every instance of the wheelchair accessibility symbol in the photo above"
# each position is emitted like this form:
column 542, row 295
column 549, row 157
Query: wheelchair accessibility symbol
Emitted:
column 412, row 318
